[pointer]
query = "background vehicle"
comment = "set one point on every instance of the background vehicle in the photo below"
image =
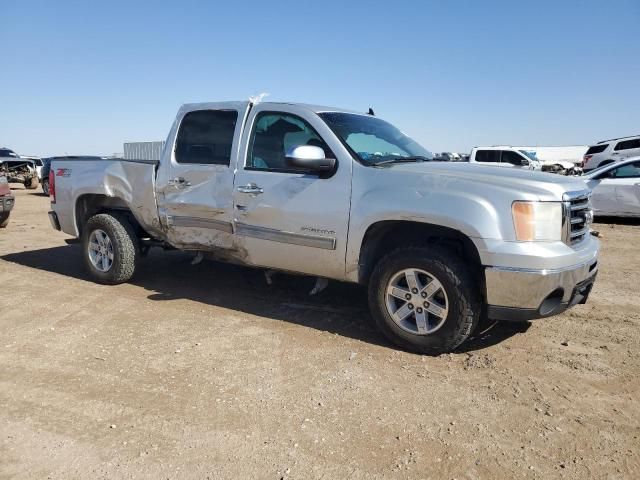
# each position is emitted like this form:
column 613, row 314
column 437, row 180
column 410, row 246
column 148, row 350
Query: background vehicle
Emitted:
column 7, row 200
column 512, row 157
column 46, row 166
column 37, row 161
column 611, row 151
column 340, row 195
column 503, row 156
column 616, row 188
column 17, row 169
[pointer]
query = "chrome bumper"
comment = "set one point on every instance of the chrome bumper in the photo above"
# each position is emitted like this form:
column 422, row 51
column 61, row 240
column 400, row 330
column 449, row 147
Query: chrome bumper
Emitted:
column 526, row 294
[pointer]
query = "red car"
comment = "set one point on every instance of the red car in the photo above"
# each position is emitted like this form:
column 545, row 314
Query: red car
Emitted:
column 6, row 200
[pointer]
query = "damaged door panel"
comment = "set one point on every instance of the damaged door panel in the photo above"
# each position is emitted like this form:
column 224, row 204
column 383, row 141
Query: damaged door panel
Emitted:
column 195, row 188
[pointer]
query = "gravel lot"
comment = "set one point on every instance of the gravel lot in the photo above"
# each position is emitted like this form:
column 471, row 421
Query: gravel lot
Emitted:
column 206, row 372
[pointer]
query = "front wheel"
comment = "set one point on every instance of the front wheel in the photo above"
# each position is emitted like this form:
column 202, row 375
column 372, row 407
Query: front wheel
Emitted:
column 45, row 186
column 32, row 183
column 424, row 299
column 110, row 248
column 4, row 219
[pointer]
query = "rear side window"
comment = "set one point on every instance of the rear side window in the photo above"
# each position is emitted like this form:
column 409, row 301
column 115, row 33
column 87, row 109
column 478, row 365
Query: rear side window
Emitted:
column 205, row 137
column 488, row 156
column 511, row 157
column 628, row 144
column 597, row 149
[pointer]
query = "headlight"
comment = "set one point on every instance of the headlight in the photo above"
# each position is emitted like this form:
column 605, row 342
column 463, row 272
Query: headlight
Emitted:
column 537, row 221
column 3, row 179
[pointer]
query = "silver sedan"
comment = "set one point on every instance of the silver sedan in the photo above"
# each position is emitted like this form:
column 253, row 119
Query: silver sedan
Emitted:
column 616, row 188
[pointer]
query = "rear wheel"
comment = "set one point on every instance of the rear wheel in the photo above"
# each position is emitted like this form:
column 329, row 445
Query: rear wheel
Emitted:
column 110, row 248
column 45, row 186
column 4, row 219
column 424, row 299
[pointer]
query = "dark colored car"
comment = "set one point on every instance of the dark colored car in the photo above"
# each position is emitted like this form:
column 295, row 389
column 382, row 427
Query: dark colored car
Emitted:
column 46, row 167
column 7, row 200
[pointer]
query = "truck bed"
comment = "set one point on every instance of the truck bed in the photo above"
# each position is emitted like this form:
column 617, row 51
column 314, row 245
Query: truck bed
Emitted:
column 131, row 184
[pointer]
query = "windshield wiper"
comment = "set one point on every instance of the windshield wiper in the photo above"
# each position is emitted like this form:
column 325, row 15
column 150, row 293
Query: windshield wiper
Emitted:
column 416, row 158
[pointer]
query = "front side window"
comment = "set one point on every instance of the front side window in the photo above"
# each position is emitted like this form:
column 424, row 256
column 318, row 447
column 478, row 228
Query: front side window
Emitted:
column 529, row 154
column 631, row 170
column 373, row 140
column 628, row 145
column 489, row 156
column 509, row 156
column 274, row 134
column 205, row 137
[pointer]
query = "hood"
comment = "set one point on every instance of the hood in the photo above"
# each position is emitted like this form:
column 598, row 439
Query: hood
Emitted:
column 520, row 184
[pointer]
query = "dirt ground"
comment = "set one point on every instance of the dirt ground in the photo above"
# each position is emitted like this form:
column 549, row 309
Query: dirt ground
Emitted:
column 204, row 371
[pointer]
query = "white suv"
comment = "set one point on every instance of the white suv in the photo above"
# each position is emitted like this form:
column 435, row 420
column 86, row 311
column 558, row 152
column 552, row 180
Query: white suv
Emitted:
column 610, row 151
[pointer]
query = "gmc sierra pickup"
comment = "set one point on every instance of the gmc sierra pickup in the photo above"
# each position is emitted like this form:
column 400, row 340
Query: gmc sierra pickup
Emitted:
column 340, row 195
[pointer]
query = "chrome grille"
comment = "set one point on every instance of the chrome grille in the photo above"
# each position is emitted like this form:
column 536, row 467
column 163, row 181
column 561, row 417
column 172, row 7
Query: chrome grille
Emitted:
column 578, row 217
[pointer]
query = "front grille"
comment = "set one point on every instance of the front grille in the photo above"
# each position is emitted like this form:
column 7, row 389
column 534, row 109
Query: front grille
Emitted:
column 578, row 217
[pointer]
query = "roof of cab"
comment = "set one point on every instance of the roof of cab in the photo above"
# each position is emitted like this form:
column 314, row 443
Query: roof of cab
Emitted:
column 241, row 104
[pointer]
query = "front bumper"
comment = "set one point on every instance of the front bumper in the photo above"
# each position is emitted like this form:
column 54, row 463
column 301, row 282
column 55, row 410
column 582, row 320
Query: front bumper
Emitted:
column 6, row 203
column 527, row 294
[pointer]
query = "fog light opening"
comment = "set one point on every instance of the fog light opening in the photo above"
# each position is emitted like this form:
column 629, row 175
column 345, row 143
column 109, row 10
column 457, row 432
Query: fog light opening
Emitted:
column 552, row 302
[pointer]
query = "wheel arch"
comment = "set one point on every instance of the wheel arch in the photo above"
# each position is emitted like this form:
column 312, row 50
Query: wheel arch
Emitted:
column 387, row 235
column 90, row 204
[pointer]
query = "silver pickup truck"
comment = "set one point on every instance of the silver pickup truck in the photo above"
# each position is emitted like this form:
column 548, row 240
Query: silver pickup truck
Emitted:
column 340, row 195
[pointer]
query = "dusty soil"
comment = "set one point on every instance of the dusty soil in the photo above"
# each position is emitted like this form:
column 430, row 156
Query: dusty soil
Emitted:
column 206, row 372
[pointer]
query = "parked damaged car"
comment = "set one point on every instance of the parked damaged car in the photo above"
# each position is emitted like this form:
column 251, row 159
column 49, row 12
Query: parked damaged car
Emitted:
column 18, row 169
column 340, row 195
column 7, row 200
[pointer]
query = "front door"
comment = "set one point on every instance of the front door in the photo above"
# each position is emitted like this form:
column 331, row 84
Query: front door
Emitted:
column 285, row 218
column 196, row 194
column 627, row 181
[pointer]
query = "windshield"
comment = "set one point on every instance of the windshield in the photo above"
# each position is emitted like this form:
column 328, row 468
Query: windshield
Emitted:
column 374, row 141
column 529, row 154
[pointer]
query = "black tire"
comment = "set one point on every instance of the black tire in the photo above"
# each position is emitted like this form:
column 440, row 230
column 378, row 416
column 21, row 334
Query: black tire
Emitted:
column 45, row 186
column 125, row 244
column 4, row 219
column 461, row 289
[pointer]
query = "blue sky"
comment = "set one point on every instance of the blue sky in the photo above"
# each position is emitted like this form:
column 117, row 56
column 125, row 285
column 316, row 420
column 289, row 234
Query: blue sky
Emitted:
column 82, row 77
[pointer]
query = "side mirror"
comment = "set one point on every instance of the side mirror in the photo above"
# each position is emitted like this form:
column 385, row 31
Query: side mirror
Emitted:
column 525, row 163
column 310, row 158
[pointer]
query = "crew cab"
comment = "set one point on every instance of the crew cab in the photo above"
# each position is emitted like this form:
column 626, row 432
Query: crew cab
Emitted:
column 340, row 195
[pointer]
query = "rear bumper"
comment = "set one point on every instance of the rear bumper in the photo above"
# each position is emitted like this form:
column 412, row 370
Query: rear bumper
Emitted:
column 53, row 218
column 526, row 294
column 6, row 203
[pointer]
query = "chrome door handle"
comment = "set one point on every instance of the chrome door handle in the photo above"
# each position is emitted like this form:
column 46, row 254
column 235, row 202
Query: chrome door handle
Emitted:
column 251, row 189
column 179, row 182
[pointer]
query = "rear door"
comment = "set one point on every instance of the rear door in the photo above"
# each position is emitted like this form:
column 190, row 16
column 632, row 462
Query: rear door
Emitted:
column 488, row 157
column 627, row 184
column 196, row 194
column 285, row 218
